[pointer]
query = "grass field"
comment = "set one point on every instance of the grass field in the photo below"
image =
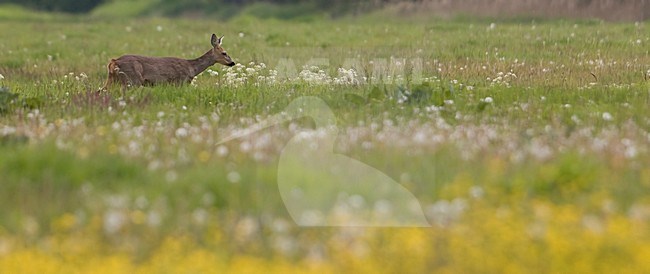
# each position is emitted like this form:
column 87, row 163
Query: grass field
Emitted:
column 527, row 142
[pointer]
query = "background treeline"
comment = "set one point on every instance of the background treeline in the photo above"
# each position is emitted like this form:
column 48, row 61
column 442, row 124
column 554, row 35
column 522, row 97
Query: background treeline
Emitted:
column 626, row 10
column 72, row 6
column 176, row 7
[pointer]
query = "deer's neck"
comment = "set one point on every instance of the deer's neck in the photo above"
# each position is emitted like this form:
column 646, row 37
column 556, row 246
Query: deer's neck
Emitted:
column 202, row 63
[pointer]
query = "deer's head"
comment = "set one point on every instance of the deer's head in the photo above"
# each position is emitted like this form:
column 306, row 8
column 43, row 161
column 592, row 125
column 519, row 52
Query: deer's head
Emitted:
column 219, row 53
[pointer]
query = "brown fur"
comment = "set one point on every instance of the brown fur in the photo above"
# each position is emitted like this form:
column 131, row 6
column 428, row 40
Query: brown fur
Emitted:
column 136, row 70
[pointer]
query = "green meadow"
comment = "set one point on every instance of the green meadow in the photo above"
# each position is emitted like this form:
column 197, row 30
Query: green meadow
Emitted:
column 526, row 142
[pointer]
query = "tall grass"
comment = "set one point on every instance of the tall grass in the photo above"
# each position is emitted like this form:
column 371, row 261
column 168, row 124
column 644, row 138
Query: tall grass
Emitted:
column 526, row 142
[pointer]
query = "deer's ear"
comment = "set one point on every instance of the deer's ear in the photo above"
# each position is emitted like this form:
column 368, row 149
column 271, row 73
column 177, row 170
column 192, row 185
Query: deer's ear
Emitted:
column 215, row 42
column 220, row 40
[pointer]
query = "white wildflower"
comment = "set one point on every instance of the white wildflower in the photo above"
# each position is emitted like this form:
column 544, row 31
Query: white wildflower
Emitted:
column 222, row 151
column 502, row 79
column 607, row 116
column 444, row 213
column 181, row 132
column 212, row 72
column 114, row 220
column 233, row 177
column 314, row 75
column 347, row 77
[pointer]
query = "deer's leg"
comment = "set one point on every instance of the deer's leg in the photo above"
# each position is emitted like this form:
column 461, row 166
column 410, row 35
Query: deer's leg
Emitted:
column 130, row 75
column 137, row 74
column 124, row 82
column 108, row 84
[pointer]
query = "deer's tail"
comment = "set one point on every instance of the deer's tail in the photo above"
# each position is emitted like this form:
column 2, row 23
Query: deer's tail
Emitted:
column 113, row 71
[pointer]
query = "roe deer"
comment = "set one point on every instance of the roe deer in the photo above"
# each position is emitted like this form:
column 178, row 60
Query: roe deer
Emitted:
column 135, row 70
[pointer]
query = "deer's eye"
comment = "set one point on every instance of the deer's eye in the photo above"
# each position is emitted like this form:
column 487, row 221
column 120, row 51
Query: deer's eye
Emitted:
column 224, row 54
